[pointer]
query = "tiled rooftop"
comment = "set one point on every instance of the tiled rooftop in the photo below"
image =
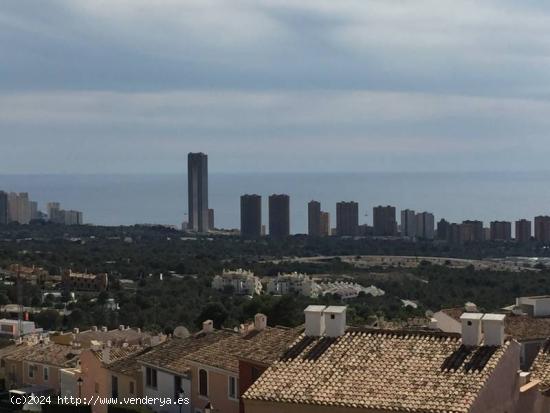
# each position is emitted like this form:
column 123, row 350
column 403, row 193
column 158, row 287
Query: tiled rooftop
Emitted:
column 50, row 353
column 541, row 366
column 124, row 360
column 380, row 370
column 171, row 355
column 263, row 347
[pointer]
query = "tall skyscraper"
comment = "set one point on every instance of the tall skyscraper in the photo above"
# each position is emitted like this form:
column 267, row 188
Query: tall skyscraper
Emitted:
column 197, row 188
column 19, row 207
column 425, row 225
column 523, row 230
column 211, row 222
column 325, row 224
column 384, row 222
column 314, row 219
column 542, row 228
column 408, row 223
column 3, row 208
column 251, row 216
column 279, row 216
column 500, row 231
column 347, row 218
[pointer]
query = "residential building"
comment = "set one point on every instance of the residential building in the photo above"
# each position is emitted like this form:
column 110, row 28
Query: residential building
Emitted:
column 384, row 222
column 325, row 224
column 111, row 372
column 471, row 231
column 17, row 328
column 279, row 216
column 289, row 283
column 19, row 208
column 211, row 222
column 335, row 369
column 72, row 217
column 408, row 223
column 251, row 216
column 238, row 281
column 222, row 371
column 523, row 230
column 425, row 225
column 542, row 228
column 454, row 236
column 166, row 371
column 314, row 218
column 119, row 337
column 501, row 231
column 443, row 229
column 53, row 209
column 197, row 195
column 347, row 218
column 39, row 365
column 4, row 208
column 73, row 281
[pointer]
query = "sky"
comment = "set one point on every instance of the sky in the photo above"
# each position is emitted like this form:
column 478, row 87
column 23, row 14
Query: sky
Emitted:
column 131, row 86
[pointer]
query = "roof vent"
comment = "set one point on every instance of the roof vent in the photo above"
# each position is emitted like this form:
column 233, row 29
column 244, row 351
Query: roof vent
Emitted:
column 315, row 322
column 493, row 329
column 471, row 329
column 335, row 321
column 208, row 326
column 260, row 322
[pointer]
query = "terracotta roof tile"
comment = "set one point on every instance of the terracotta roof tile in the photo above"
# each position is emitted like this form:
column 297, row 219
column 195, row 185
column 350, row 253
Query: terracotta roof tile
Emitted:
column 263, row 347
column 171, row 355
column 380, row 370
column 541, row 366
column 50, row 353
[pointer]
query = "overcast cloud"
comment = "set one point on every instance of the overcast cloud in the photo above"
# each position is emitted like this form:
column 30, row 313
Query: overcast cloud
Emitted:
column 274, row 85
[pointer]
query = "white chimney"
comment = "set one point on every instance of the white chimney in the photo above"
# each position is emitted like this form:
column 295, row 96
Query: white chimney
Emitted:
column 470, row 307
column 315, row 322
column 260, row 322
column 106, row 354
column 335, row 320
column 471, row 329
column 104, row 329
column 493, row 329
column 121, row 327
column 76, row 330
column 524, row 377
column 94, row 328
column 207, row 326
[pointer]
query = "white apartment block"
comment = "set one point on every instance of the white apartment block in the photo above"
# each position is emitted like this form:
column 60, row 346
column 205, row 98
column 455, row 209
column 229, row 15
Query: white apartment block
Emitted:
column 241, row 281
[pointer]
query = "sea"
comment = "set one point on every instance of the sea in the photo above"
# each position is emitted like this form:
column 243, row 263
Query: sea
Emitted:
column 162, row 198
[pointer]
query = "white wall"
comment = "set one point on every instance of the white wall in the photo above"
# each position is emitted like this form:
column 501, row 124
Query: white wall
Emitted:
column 165, row 389
column 447, row 323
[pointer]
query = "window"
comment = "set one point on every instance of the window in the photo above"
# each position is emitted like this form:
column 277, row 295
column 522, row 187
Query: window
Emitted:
column 203, row 382
column 132, row 387
column 31, row 371
column 46, row 373
column 232, row 388
column 151, row 377
column 114, row 386
column 178, row 388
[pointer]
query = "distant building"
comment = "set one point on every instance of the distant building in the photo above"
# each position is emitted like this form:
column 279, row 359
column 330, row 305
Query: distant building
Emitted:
column 408, row 223
column 425, row 225
column 84, row 282
column 279, row 216
column 314, row 218
column 72, row 217
column 211, row 223
column 61, row 216
column 501, row 231
column 471, row 231
column 251, row 216
column 542, row 228
column 443, row 228
column 523, row 230
column 197, row 177
column 325, row 224
column 241, row 282
column 384, row 222
column 347, row 218
column 4, row 208
column 15, row 328
column 291, row 283
column 454, row 236
column 34, row 210
column 19, row 208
